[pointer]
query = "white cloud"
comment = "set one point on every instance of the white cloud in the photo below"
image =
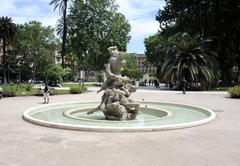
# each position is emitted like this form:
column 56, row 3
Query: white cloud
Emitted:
column 141, row 15
column 135, row 9
column 22, row 11
column 143, row 28
column 6, row 7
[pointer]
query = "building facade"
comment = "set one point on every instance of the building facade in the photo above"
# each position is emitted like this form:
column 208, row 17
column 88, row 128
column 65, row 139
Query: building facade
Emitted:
column 144, row 66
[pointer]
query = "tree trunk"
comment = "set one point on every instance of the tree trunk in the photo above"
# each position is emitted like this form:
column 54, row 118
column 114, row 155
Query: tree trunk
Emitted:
column 20, row 72
column 8, row 73
column 225, row 78
column 64, row 32
column 4, row 62
column 238, row 75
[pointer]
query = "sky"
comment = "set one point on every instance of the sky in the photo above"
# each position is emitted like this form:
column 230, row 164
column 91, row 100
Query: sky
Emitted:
column 140, row 14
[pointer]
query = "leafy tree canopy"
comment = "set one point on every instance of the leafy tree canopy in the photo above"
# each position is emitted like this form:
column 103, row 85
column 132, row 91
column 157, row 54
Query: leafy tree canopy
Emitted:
column 94, row 26
column 217, row 20
column 7, row 33
column 54, row 73
column 214, row 22
column 131, row 61
column 34, row 49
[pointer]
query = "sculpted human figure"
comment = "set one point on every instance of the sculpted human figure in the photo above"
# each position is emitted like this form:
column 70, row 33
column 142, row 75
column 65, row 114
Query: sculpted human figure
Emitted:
column 115, row 103
column 113, row 68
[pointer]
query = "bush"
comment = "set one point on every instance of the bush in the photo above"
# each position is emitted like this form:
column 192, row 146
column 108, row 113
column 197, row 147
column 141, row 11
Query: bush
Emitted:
column 28, row 87
column 54, row 73
column 132, row 73
column 23, row 87
column 99, row 77
column 75, row 90
column 234, row 92
column 9, row 92
column 11, row 84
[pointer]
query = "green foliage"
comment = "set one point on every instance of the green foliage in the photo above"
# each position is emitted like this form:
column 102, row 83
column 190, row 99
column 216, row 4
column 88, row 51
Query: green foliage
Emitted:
column 187, row 58
column 7, row 33
column 131, row 61
column 7, row 29
column 62, row 27
column 34, row 49
column 75, row 90
column 69, row 74
column 99, row 77
column 132, row 73
column 234, row 92
column 131, row 67
column 9, row 93
column 93, row 27
column 218, row 20
column 9, row 90
column 156, row 47
column 24, row 87
column 54, row 73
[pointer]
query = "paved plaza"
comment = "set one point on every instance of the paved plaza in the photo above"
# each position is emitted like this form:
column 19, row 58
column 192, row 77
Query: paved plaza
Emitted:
column 214, row 144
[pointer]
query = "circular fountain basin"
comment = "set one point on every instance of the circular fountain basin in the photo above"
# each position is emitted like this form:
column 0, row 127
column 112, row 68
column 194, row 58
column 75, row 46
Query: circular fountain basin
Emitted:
column 154, row 116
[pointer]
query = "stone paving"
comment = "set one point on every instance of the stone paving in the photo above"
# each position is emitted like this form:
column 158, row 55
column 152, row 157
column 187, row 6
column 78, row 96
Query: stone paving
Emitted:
column 214, row 144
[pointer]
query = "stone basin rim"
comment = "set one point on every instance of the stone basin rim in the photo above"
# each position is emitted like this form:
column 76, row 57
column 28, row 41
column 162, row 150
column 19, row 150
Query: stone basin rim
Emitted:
column 27, row 117
column 69, row 113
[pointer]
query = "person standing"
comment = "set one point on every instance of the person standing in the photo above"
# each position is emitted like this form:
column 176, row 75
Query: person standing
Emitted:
column 46, row 93
column 184, row 85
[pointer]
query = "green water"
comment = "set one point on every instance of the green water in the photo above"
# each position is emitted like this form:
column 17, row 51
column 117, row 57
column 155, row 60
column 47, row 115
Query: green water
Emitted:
column 178, row 114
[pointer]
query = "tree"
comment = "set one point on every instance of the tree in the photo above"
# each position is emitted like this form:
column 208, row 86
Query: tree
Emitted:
column 7, row 32
column 34, row 49
column 99, row 77
column 156, row 48
column 218, row 20
column 189, row 58
column 62, row 5
column 94, row 26
column 131, row 61
column 132, row 73
column 54, row 73
column 131, row 67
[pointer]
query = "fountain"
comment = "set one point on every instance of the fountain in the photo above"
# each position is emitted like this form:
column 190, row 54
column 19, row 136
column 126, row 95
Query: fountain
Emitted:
column 116, row 104
column 116, row 111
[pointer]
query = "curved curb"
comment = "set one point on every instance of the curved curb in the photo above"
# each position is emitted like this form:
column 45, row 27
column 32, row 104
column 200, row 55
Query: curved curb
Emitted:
column 30, row 119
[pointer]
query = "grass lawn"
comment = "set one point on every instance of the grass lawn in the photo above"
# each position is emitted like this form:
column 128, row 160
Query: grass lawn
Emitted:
column 220, row 89
column 28, row 90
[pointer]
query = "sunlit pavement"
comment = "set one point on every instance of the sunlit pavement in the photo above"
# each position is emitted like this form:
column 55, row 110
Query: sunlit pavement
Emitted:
column 214, row 144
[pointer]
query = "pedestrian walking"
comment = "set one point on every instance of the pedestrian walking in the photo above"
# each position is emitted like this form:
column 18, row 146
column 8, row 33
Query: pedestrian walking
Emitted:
column 149, row 82
column 184, row 85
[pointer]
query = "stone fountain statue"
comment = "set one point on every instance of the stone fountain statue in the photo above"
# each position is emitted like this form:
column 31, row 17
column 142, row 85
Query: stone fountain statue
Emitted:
column 116, row 104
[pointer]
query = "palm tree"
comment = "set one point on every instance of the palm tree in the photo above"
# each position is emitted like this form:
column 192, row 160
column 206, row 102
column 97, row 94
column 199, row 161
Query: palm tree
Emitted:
column 7, row 32
column 62, row 6
column 188, row 58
